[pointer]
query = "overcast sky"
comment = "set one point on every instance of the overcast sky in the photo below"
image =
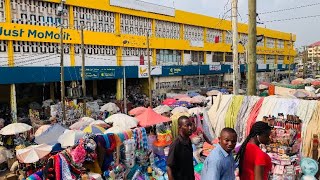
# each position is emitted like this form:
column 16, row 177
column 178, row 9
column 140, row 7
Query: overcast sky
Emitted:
column 307, row 30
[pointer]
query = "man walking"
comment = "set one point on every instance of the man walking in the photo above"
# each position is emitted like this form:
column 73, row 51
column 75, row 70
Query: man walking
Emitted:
column 180, row 158
column 220, row 164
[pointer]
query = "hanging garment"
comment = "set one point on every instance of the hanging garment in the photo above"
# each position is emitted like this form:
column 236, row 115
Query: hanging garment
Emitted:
column 312, row 128
column 253, row 115
column 220, row 114
column 232, row 113
column 305, row 111
column 207, row 127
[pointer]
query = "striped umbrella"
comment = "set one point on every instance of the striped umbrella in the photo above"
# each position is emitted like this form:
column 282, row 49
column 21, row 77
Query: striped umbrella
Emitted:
column 94, row 129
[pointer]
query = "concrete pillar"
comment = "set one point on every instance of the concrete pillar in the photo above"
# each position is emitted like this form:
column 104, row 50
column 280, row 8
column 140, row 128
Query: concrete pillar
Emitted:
column 119, row 89
column 13, row 102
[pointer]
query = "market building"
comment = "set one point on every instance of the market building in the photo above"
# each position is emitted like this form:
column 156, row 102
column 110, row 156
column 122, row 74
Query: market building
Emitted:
column 186, row 49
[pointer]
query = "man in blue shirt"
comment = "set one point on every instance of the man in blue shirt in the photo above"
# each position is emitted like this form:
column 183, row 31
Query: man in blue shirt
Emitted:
column 220, row 164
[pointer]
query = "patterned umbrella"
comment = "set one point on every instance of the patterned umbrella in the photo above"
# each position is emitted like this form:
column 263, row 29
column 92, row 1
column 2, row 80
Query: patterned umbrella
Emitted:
column 181, row 103
column 94, row 129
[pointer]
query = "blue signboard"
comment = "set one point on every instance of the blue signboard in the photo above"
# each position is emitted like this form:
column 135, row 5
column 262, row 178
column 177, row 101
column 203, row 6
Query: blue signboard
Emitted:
column 12, row 75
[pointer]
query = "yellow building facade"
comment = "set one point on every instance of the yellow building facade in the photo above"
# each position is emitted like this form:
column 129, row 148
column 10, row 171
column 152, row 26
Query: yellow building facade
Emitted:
column 117, row 36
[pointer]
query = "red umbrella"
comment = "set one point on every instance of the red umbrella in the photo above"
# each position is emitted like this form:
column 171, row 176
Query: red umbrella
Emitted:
column 149, row 117
column 169, row 102
column 137, row 111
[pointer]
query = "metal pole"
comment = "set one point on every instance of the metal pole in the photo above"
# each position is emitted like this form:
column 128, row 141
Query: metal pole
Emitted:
column 125, row 90
column 149, row 71
column 62, row 66
column 304, row 61
column 317, row 64
column 290, row 58
column 252, row 51
column 83, row 74
column 235, row 39
column 199, row 63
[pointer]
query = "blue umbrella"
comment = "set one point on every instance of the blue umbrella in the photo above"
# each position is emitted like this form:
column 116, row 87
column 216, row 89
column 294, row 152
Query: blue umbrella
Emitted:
column 181, row 103
column 192, row 94
column 51, row 135
column 225, row 91
column 56, row 148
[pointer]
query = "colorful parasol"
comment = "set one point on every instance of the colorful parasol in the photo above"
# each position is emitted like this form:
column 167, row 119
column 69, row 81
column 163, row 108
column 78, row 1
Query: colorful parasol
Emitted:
column 70, row 138
column 41, row 129
column 162, row 109
column 33, row 153
column 94, row 129
column 149, row 118
column 137, row 111
column 15, row 128
column 179, row 110
column 169, row 102
column 82, row 123
column 122, row 120
column 99, row 123
column 110, row 107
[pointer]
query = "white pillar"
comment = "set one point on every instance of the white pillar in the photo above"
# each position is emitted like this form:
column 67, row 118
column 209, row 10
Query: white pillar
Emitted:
column 13, row 102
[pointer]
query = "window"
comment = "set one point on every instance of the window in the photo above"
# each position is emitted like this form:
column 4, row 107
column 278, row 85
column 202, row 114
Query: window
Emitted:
column 217, row 57
column 271, row 42
column 228, row 38
column 94, row 20
column 244, row 38
column 229, row 57
column 260, row 58
column 193, row 33
column 270, row 59
column 214, row 36
column 135, row 25
column 280, row 44
column 168, row 30
column 168, row 57
column 197, row 56
column 36, row 12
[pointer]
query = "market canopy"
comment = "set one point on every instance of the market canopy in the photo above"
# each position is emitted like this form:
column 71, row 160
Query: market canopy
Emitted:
column 162, row 109
column 51, row 135
column 70, row 138
column 137, row 111
column 122, row 121
column 94, row 129
column 34, row 153
column 110, row 107
column 82, row 123
column 42, row 129
column 15, row 128
column 169, row 102
column 179, row 110
column 213, row 93
column 150, row 117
